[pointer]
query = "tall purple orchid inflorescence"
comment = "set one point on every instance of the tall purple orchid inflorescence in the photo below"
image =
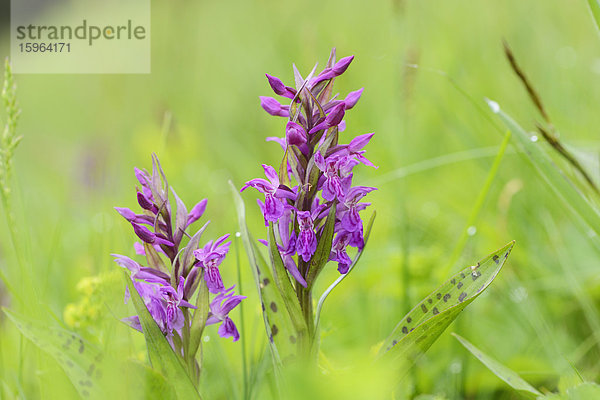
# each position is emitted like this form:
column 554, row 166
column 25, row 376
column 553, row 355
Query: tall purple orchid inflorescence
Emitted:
column 173, row 273
column 310, row 205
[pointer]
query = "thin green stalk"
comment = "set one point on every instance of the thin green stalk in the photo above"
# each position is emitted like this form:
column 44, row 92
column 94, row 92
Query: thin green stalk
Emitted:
column 242, row 324
column 462, row 240
column 585, row 302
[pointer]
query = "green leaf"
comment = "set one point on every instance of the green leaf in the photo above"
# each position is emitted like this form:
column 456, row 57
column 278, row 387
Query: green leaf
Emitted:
column 77, row 357
column 187, row 259
column 506, row 374
column 198, row 320
column 595, row 9
column 282, row 280
column 279, row 328
column 323, row 251
column 151, row 383
column 161, row 354
column 421, row 327
column 543, row 164
column 584, row 391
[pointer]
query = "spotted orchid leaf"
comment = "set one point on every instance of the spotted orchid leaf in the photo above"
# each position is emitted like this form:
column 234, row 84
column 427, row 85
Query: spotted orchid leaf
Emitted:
column 424, row 324
column 160, row 352
column 284, row 285
column 78, row 358
column 506, row 374
column 283, row 342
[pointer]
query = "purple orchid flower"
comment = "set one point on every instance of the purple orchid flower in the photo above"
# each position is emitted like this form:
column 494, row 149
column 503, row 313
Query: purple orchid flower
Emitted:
column 279, row 88
column 335, row 174
column 210, row 257
column 273, row 107
column 350, row 219
column 338, row 251
column 307, row 240
column 274, row 193
column 220, row 308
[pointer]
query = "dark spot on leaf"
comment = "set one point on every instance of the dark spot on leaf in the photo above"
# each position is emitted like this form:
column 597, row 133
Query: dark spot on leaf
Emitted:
column 412, row 329
column 460, row 284
column 69, row 363
column 496, row 259
column 404, row 330
column 81, row 346
column 409, row 320
column 423, row 308
column 475, row 275
column 292, row 338
column 435, row 311
column 266, row 281
column 273, row 306
column 429, row 301
column 274, row 329
column 98, row 358
column 85, row 393
column 447, row 297
column 271, row 338
column 462, row 296
column 453, row 281
column 90, row 370
column 462, row 275
column 438, row 296
column 505, row 255
column 394, row 342
column 263, row 306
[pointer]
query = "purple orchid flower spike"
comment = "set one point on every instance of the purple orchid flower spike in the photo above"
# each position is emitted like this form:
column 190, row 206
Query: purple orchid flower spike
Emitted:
column 316, row 215
column 174, row 267
column 220, row 308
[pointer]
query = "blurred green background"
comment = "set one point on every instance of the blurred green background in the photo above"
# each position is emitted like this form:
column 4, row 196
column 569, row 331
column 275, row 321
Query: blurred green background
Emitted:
column 83, row 134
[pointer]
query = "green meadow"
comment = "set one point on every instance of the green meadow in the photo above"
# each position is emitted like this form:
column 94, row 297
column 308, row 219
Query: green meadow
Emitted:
column 453, row 187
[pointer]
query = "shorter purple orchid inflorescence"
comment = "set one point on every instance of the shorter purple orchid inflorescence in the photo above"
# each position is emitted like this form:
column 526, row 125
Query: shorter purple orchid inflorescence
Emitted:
column 173, row 272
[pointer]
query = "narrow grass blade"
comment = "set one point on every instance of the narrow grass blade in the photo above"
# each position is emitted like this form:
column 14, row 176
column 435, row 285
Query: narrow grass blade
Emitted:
column 421, row 327
column 506, row 374
column 76, row 356
column 161, row 354
column 565, row 190
column 278, row 325
column 342, row 277
column 595, row 9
